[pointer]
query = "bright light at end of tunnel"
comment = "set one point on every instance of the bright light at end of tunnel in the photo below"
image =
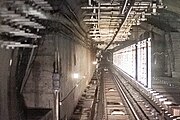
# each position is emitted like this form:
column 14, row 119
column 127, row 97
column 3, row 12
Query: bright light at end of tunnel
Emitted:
column 94, row 62
column 75, row 75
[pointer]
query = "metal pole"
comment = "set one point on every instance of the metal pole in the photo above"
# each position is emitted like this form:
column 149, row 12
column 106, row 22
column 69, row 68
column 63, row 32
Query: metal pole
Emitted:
column 56, row 80
column 147, row 65
column 136, row 62
column 56, row 105
column 56, row 88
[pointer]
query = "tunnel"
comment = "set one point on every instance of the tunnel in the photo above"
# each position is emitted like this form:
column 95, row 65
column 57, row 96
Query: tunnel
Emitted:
column 89, row 60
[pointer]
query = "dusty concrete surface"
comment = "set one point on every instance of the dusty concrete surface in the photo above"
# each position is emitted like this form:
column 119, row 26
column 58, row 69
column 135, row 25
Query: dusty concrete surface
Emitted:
column 4, row 77
column 8, row 96
column 74, row 58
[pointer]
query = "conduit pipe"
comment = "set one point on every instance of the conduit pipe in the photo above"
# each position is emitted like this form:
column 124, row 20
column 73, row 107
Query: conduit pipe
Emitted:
column 124, row 6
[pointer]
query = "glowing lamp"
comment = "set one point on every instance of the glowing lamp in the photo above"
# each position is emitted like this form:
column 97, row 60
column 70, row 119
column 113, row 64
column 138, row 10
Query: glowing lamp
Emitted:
column 94, row 62
column 75, row 75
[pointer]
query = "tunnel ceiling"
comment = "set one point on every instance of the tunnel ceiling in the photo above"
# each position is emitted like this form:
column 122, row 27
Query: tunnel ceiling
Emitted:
column 102, row 23
column 110, row 21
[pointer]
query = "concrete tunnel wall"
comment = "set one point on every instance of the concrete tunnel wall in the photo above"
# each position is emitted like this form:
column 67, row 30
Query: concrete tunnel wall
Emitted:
column 75, row 58
column 5, row 56
column 8, row 98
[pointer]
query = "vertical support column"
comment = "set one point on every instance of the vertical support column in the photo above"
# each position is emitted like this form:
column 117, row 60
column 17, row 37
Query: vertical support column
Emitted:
column 170, row 54
column 147, row 65
column 151, row 35
column 136, row 62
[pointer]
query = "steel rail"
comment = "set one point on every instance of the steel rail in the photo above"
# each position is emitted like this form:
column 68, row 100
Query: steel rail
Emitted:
column 126, row 99
column 137, row 86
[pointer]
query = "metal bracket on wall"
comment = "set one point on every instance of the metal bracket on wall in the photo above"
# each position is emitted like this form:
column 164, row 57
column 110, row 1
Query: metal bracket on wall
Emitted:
column 13, row 44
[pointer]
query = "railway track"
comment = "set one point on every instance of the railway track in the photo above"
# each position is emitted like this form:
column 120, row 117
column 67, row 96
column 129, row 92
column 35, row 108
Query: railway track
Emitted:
column 118, row 98
column 123, row 102
column 116, row 104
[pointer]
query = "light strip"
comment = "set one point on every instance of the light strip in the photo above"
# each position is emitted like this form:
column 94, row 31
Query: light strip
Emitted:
column 94, row 7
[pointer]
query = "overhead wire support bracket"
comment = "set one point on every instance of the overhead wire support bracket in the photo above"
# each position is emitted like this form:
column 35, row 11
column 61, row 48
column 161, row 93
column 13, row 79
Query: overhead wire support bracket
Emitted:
column 120, row 26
